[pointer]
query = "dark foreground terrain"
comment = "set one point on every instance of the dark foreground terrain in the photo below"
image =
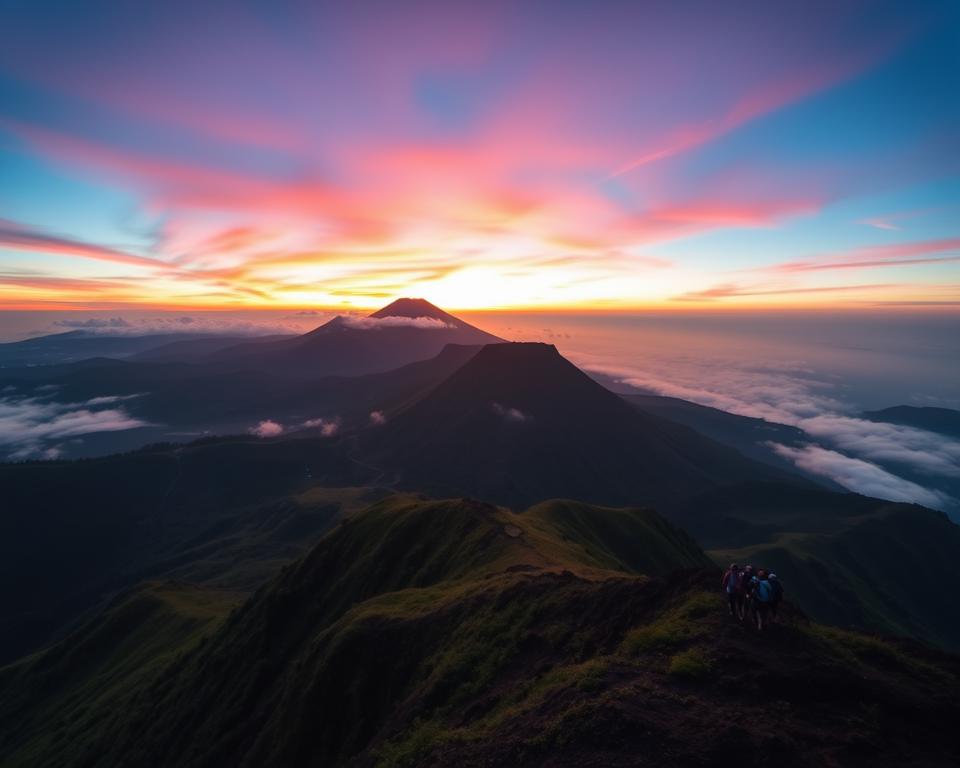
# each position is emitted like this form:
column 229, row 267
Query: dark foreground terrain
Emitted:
column 458, row 633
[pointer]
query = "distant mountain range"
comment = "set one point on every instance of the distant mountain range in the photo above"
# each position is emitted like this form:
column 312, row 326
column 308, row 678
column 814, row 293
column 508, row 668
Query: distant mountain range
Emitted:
column 944, row 421
column 73, row 346
column 405, row 331
column 402, row 332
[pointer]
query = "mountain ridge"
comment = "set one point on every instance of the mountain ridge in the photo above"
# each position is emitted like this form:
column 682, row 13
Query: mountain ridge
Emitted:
column 452, row 632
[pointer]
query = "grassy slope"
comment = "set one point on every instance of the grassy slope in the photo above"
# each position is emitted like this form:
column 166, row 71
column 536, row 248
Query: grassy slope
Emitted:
column 54, row 700
column 455, row 633
column 106, row 524
column 398, row 544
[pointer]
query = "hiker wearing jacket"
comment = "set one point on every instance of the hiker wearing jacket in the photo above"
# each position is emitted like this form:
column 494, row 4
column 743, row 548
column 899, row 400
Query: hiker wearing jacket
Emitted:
column 762, row 599
column 731, row 584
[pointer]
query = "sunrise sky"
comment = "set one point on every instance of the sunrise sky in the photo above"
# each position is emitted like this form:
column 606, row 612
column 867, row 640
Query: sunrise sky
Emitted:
column 483, row 155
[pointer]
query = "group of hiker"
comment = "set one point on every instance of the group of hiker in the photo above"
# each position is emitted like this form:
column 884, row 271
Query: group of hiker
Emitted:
column 756, row 594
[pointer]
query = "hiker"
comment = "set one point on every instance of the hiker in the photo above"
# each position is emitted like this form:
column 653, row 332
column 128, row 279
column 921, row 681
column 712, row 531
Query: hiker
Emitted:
column 762, row 598
column 745, row 602
column 731, row 584
column 777, row 587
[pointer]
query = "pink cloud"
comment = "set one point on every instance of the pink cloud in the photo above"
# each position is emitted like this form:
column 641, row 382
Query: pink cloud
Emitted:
column 728, row 290
column 762, row 100
column 897, row 254
column 267, row 428
column 16, row 235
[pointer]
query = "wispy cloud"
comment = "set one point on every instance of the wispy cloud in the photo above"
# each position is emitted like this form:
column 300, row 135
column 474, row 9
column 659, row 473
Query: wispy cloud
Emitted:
column 328, row 426
column 892, row 255
column 508, row 413
column 28, row 424
column 378, row 323
column 894, row 221
column 20, row 236
column 727, row 290
column 186, row 325
column 761, row 101
column 94, row 324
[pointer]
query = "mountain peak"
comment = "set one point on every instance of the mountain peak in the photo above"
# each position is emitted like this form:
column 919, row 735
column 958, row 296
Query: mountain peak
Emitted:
column 517, row 351
column 413, row 308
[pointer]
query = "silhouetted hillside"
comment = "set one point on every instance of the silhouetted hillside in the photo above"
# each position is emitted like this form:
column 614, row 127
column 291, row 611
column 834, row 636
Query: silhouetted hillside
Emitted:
column 75, row 533
column 519, row 423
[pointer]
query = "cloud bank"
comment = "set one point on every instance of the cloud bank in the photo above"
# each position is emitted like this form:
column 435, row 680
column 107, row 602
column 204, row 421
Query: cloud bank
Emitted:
column 29, row 424
column 394, row 321
column 179, row 324
column 864, row 456
column 859, row 476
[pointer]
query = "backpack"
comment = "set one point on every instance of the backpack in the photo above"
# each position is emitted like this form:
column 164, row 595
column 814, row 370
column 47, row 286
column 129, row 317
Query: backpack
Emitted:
column 764, row 591
column 777, row 589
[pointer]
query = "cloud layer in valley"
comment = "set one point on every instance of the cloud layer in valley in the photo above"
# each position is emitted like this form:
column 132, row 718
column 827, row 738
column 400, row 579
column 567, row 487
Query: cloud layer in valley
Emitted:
column 30, row 424
column 860, row 476
column 209, row 324
column 886, row 460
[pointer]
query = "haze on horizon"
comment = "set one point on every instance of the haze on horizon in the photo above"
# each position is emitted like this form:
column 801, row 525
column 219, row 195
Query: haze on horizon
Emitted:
column 563, row 155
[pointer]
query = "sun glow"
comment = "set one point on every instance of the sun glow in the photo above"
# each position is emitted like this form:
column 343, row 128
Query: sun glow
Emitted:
column 516, row 168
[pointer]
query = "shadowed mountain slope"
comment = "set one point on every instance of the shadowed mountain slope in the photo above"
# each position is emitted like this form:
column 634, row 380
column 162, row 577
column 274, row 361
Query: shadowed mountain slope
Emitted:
column 519, row 423
column 455, row 633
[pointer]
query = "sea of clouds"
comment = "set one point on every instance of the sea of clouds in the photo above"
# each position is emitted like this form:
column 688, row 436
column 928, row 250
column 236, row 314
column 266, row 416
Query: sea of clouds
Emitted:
column 861, row 455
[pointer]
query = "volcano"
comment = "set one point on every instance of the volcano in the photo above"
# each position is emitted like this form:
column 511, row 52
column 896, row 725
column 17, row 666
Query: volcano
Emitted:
column 403, row 332
column 519, row 423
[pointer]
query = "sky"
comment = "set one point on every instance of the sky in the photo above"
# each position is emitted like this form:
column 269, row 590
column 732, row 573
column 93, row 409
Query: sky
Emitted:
column 575, row 155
